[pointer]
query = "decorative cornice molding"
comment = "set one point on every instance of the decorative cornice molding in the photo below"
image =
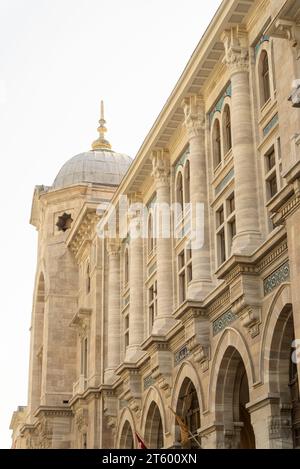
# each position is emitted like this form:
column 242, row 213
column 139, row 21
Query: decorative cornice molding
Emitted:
column 219, row 303
column 273, row 256
column 85, row 233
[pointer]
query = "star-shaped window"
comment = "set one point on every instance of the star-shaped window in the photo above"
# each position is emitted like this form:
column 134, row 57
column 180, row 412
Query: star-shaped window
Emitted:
column 64, row 222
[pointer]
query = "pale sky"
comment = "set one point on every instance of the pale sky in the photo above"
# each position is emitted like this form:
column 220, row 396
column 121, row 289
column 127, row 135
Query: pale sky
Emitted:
column 58, row 58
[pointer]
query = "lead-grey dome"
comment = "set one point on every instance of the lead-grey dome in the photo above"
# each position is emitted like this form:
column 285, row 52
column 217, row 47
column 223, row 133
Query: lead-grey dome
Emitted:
column 98, row 167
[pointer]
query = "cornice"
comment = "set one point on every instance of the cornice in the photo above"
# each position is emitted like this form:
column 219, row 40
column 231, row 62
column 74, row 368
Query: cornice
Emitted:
column 84, row 230
column 201, row 60
column 53, row 411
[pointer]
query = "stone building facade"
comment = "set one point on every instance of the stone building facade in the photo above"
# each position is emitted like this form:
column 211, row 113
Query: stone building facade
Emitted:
column 130, row 327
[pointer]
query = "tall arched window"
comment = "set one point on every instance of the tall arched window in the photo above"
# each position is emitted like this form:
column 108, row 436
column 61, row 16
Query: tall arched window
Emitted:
column 187, row 185
column 217, row 143
column 88, row 279
column 179, row 190
column 265, row 78
column 126, row 267
column 227, row 129
column 150, row 234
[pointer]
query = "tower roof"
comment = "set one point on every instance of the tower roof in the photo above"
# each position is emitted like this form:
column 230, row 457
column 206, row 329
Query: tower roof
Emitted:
column 100, row 165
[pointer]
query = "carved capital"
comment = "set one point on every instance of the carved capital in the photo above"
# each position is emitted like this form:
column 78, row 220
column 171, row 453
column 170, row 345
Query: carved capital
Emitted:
column 236, row 50
column 113, row 247
column 194, row 115
column 161, row 166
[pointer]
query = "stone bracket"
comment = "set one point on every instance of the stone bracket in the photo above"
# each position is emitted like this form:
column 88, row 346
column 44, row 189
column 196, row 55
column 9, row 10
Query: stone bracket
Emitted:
column 197, row 329
column 161, row 361
column 132, row 386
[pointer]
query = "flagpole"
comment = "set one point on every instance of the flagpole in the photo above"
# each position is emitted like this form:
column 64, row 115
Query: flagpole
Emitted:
column 190, row 433
column 194, row 438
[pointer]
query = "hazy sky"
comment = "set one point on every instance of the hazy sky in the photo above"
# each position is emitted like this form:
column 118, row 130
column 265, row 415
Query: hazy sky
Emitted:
column 58, row 58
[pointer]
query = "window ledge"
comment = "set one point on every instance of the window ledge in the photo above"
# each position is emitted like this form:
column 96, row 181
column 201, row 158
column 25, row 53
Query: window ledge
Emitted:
column 266, row 111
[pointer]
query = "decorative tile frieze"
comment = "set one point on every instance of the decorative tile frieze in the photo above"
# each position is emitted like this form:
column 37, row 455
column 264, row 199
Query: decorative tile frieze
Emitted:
column 181, row 355
column 229, row 176
column 219, row 105
column 281, row 275
column 182, row 159
column 270, row 125
column 261, row 41
column 148, row 382
column 223, row 321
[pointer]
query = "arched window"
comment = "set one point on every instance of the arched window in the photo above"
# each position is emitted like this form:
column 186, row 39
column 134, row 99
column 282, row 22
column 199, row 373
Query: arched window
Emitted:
column 265, row 78
column 227, row 129
column 179, row 190
column 187, row 185
column 150, row 234
column 217, row 143
column 88, row 279
column 126, row 267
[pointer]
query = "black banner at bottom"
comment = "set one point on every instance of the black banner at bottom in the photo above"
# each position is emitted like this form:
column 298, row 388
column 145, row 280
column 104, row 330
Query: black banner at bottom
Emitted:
column 138, row 458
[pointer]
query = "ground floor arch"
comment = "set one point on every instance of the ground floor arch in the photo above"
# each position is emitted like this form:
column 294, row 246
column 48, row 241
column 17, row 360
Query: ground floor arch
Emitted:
column 127, row 437
column 188, row 410
column 282, row 376
column 231, row 399
column 154, row 432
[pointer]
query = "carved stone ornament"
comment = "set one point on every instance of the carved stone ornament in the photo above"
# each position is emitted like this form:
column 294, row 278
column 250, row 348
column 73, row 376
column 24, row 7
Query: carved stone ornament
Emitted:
column 194, row 115
column 290, row 31
column 81, row 420
column 236, row 50
column 161, row 166
column 81, row 321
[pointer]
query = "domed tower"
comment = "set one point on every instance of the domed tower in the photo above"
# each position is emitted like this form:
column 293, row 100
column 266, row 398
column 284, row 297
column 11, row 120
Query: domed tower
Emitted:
column 64, row 353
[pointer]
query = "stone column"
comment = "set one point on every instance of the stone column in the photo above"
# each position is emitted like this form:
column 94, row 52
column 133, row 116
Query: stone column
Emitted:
column 136, row 282
column 248, row 236
column 161, row 174
column 113, row 314
column 194, row 112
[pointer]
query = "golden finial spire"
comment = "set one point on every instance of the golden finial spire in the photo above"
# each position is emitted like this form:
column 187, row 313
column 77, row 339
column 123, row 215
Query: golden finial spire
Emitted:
column 101, row 143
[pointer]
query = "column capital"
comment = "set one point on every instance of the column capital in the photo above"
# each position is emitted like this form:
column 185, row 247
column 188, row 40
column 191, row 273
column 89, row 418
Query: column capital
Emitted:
column 113, row 247
column 135, row 198
column 161, row 166
column 194, row 115
column 236, row 50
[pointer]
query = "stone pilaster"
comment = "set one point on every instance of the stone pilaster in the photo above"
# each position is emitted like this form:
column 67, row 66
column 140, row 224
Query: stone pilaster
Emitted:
column 248, row 235
column 271, row 424
column 113, row 316
column 161, row 174
column 194, row 112
column 136, row 281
